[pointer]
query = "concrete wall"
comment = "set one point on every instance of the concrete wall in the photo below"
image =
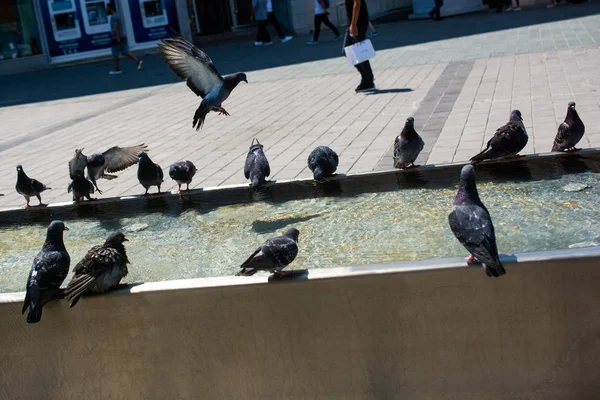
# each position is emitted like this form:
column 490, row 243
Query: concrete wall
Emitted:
column 451, row 333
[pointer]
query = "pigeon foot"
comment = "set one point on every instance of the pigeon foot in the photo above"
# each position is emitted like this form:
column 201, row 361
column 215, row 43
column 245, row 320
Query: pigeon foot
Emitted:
column 222, row 111
column 470, row 258
column 27, row 205
column 99, row 191
column 572, row 149
column 412, row 165
column 43, row 205
column 518, row 156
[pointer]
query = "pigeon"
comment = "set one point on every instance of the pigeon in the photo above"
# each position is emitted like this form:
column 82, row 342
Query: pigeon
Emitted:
column 472, row 225
column 256, row 167
column 81, row 187
column 273, row 255
column 197, row 69
column 323, row 162
column 114, row 159
column 49, row 270
column 100, row 270
column 28, row 187
column 149, row 173
column 569, row 132
column 508, row 140
column 407, row 146
column 182, row 172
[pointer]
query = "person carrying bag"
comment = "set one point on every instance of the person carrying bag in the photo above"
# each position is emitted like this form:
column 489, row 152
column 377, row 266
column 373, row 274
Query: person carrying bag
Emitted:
column 358, row 24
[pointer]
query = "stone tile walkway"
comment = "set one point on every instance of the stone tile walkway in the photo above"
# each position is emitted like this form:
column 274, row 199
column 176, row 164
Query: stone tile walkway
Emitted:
column 459, row 78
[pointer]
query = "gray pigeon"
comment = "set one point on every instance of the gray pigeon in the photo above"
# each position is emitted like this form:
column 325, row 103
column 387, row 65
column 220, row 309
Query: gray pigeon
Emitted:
column 407, row 146
column 472, row 225
column 28, row 187
column 149, row 173
column 273, row 255
column 100, row 270
column 256, row 167
column 81, row 187
column 49, row 270
column 508, row 140
column 569, row 132
column 114, row 159
column 323, row 162
column 182, row 172
column 197, row 69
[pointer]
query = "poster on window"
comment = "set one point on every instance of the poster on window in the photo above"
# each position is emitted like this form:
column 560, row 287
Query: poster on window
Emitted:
column 153, row 19
column 75, row 26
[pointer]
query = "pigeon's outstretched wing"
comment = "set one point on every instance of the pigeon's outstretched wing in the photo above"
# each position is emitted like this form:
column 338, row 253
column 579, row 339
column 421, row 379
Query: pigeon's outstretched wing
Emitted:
column 77, row 163
column 119, row 158
column 190, row 64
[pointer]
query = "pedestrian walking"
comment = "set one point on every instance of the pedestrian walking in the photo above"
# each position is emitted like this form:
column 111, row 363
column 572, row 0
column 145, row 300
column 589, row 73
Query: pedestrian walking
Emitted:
column 272, row 18
column 321, row 17
column 435, row 11
column 259, row 13
column 119, row 40
column 509, row 6
column 358, row 23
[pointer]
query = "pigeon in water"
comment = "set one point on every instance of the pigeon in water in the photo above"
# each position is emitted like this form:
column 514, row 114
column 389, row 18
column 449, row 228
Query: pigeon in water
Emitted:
column 100, row 270
column 472, row 225
column 273, row 255
column 182, row 172
column 149, row 173
column 49, row 270
column 197, row 69
column 508, row 140
column 114, row 159
column 81, row 187
column 569, row 132
column 28, row 187
column 256, row 167
column 323, row 162
column 407, row 146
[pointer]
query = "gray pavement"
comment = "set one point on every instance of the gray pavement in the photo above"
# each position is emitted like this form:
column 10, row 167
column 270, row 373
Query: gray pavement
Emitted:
column 459, row 78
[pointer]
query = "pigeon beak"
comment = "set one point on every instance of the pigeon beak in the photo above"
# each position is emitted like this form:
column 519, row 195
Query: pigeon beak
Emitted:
column 125, row 240
column 66, row 229
column 246, row 80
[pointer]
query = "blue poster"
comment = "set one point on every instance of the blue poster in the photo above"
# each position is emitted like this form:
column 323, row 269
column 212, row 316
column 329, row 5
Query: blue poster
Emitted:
column 153, row 19
column 75, row 26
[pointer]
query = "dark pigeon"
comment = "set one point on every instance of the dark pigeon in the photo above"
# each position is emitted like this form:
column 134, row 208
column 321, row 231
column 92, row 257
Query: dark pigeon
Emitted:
column 323, row 162
column 100, row 270
column 81, row 187
column 472, row 225
column 273, row 255
column 112, row 160
column 197, row 69
column 407, row 146
column 569, row 132
column 149, row 173
column 508, row 140
column 182, row 172
column 28, row 187
column 49, row 270
column 256, row 167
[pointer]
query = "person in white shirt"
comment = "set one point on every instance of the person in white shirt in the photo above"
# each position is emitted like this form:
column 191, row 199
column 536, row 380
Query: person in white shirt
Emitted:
column 321, row 13
column 273, row 20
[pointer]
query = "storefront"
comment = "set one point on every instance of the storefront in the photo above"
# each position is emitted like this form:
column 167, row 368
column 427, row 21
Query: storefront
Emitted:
column 19, row 31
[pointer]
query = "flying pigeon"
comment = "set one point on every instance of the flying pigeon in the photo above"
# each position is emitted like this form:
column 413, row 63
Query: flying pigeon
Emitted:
column 323, row 162
column 182, row 172
column 100, row 270
column 273, row 255
column 114, row 159
column 508, row 140
column 472, row 225
column 256, row 167
column 149, row 173
column 197, row 69
column 28, row 187
column 407, row 146
column 81, row 187
column 569, row 132
column 49, row 270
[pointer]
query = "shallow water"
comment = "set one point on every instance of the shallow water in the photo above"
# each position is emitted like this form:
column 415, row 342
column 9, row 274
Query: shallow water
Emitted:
column 369, row 228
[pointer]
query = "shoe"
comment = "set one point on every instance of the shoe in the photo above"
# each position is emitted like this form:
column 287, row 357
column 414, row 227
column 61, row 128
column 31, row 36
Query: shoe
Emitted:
column 113, row 72
column 140, row 64
column 312, row 41
column 372, row 34
column 258, row 44
column 286, row 39
column 517, row 9
column 338, row 37
column 509, row 9
column 365, row 87
column 267, row 44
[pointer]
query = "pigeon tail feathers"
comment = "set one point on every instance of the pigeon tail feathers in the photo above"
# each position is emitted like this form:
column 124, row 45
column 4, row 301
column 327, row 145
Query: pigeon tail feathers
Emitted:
column 200, row 115
column 35, row 309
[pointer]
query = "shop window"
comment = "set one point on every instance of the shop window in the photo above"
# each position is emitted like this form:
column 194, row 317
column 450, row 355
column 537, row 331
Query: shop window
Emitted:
column 19, row 35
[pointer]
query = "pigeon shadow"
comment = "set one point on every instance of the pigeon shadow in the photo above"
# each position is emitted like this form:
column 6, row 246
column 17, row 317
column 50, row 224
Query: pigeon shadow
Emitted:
column 287, row 276
column 261, row 227
column 387, row 91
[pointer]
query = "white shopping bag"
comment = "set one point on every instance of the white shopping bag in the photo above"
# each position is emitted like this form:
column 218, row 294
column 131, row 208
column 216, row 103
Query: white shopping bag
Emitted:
column 359, row 52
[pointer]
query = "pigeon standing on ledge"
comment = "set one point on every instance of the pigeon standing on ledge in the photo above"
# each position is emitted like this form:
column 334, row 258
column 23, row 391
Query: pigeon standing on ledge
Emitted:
column 81, row 187
column 407, row 146
column 323, row 162
column 149, row 173
column 49, row 270
column 508, row 140
column 472, row 225
column 197, row 69
column 273, row 255
column 28, row 187
column 256, row 167
column 569, row 132
column 182, row 172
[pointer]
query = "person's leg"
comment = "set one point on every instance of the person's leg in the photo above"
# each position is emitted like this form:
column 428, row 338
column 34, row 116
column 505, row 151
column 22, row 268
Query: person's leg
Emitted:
column 331, row 26
column 132, row 57
column 275, row 23
column 364, row 68
column 265, row 36
column 117, row 63
column 318, row 20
